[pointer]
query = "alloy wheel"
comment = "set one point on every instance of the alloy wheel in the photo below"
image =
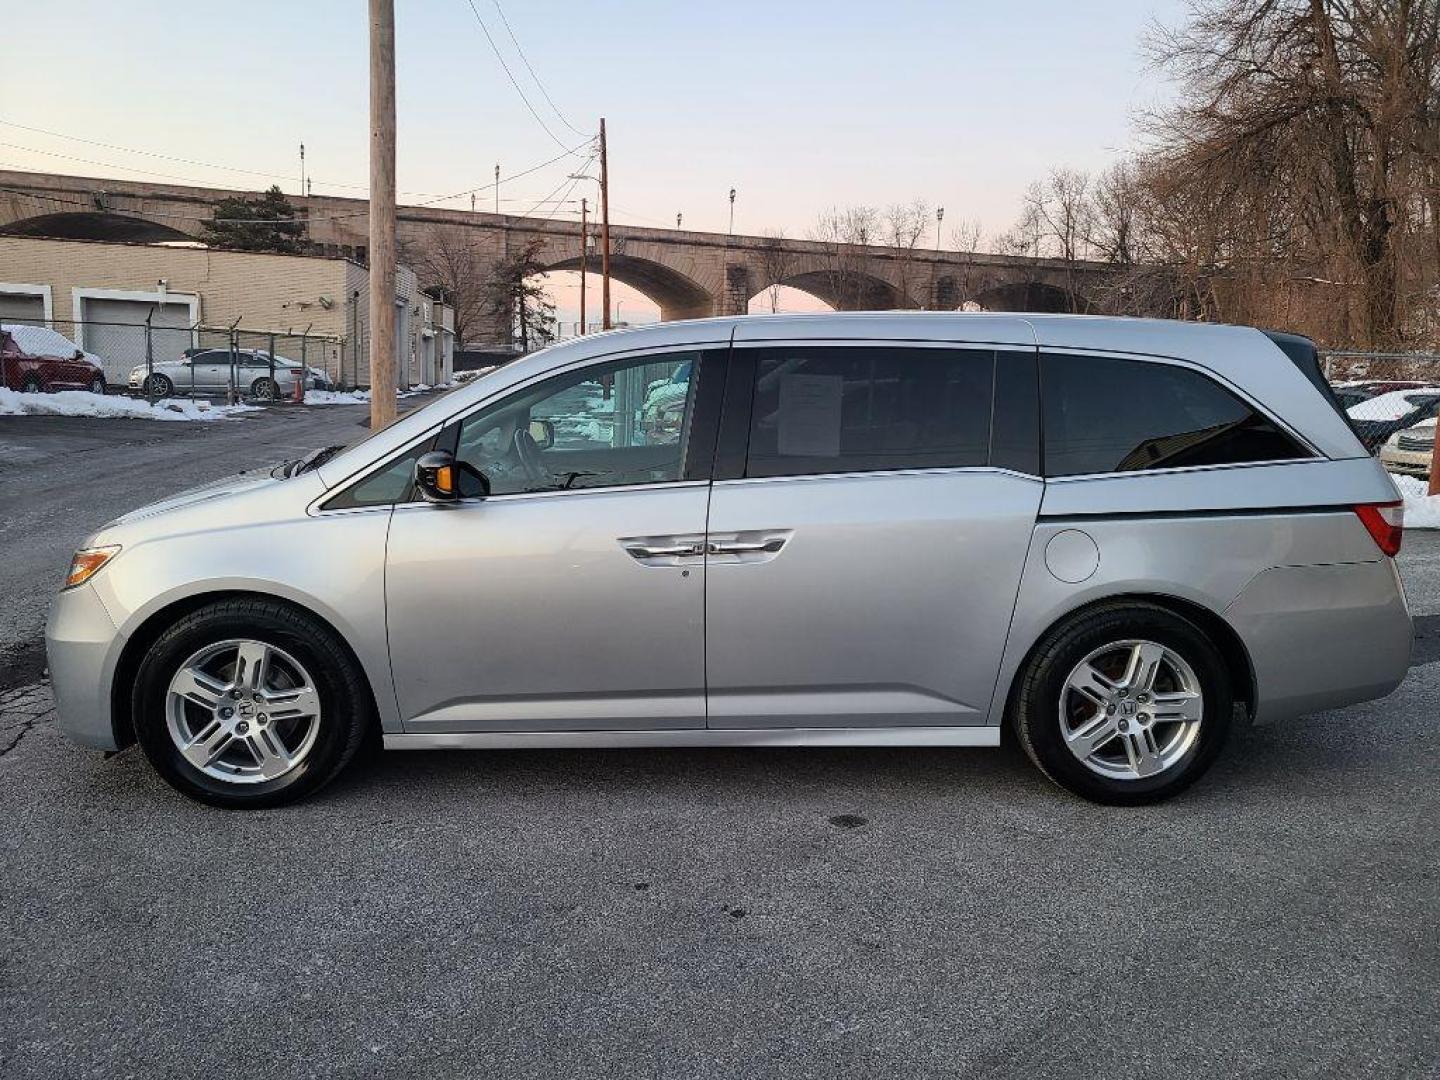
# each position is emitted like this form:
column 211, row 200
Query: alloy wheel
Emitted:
column 243, row 711
column 1131, row 709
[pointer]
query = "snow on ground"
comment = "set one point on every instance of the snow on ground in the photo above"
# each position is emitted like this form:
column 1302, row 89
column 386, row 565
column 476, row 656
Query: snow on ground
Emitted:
column 362, row 397
column 1391, row 406
column 1421, row 511
column 84, row 403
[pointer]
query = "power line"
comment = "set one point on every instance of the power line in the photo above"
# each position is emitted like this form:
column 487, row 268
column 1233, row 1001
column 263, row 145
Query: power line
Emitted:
column 510, row 75
column 525, row 60
column 162, row 157
column 338, row 216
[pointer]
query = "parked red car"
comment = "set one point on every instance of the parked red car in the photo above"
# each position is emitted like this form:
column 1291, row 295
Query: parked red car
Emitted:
column 21, row 370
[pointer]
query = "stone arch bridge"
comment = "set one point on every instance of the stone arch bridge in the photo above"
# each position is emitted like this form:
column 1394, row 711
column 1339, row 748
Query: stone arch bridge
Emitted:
column 687, row 274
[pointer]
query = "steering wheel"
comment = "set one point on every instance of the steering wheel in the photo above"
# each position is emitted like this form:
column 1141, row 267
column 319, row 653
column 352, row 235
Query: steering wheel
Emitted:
column 527, row 451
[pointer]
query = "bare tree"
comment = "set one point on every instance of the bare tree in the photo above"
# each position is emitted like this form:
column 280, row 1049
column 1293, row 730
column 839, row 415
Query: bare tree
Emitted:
column 1311, row 126
column 775, row 264
column 449, row 260
column 904, row 226
column 965, row 234
column 849, row 275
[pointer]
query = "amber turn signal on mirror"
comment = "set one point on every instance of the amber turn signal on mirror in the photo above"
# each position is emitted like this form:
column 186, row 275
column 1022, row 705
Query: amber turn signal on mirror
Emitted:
column 86, row 563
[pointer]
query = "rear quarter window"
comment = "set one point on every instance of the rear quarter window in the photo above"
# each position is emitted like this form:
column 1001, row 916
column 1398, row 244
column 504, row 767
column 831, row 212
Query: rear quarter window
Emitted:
column 1106, row 415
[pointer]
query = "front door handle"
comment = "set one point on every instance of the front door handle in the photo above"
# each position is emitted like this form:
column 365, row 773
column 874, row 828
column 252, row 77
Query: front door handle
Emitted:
column 664, row 551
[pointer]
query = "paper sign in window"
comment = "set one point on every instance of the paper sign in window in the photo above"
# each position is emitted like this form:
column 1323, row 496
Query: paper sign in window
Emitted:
column 810, row 408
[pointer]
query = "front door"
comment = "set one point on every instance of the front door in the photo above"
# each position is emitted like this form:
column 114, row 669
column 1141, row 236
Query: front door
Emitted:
column 570, row 597
column 864, row 561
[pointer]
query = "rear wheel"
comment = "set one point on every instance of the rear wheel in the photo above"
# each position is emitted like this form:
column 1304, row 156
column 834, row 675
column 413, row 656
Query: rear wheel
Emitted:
column 264, row 390
column 97, row 384
column 248, row 704
column 1126, row 704
column 31, row 384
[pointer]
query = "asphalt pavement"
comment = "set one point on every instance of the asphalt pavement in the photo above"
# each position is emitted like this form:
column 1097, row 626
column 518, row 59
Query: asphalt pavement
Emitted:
column 713, row 913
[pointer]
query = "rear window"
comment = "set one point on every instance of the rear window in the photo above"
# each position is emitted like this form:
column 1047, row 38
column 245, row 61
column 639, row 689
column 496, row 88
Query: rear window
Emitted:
column 1104, row 415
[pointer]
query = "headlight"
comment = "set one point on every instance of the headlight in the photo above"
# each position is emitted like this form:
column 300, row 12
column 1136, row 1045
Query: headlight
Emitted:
column 86, row 563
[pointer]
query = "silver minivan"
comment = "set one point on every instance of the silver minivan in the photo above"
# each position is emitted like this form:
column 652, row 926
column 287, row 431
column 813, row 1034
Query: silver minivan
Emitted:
column 1107, row 537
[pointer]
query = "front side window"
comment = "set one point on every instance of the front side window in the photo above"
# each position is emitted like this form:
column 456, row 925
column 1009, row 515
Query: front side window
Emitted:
column 610, row 425
column 833, row 409
column 1105, row 415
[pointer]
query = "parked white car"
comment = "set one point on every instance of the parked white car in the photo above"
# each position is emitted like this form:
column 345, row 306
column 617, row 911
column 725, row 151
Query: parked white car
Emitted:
column 1411, row 450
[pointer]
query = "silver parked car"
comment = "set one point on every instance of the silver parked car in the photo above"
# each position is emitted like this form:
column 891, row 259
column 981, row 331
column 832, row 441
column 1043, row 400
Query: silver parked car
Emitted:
column 211, row 371
column 1101, row 535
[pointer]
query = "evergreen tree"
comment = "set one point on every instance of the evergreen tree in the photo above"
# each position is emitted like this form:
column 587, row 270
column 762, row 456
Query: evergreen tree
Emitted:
column 267, row 223
column 516, row 289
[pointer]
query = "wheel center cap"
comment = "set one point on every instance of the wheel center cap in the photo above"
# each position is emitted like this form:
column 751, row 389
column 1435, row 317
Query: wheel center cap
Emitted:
column 246, row 708
column 1128, row 708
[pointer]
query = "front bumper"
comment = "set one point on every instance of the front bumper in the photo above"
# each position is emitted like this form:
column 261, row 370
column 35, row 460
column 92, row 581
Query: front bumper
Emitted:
column 81, row 642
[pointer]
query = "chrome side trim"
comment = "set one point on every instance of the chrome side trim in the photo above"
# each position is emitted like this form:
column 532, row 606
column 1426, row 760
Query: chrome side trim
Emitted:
column 757, row 737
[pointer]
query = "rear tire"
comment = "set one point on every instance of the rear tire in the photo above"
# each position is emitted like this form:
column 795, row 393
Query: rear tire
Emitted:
column 97, row 385
column 271, row 759
column 1090, row 721
column 31, row 384
column 264, row 390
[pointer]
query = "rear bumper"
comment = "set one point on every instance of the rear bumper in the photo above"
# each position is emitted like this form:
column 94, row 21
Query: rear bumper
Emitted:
column 1320, row 637
column 80, row 640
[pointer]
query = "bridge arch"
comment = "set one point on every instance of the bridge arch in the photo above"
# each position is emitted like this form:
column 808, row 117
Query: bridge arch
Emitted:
column 95, row 225
column 677, row 295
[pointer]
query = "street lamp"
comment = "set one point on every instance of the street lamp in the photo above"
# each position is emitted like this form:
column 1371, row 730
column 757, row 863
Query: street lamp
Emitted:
column 939, row 217
column 732, row 211
column 678, row 219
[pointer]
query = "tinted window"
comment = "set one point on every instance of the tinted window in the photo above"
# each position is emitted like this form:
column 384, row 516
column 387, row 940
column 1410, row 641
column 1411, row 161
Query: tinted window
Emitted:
column 617, row 424
column 833, row 409
column 1104, row 415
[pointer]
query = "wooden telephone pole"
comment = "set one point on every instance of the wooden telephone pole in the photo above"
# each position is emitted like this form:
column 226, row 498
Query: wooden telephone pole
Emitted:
column 382, row 213
column 584, row 255
column 604, row 227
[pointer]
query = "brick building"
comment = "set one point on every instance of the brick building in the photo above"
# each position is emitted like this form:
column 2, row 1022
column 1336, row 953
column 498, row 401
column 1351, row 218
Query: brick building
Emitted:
column 100, row 293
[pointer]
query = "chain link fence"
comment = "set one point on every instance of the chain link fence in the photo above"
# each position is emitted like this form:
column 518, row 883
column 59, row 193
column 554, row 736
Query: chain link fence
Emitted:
column 192, row 360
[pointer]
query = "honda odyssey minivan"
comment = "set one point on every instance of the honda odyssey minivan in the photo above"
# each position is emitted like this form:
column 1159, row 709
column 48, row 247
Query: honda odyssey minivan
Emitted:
column 1107, row 538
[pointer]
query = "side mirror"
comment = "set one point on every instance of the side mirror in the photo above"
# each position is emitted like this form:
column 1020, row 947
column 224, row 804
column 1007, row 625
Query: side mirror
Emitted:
column 436, row 477
column 543, row 432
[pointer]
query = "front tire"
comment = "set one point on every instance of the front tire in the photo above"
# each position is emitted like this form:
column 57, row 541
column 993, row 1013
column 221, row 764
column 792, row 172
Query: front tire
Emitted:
column 1125, row 704
column 249, row 704
column 159, row 386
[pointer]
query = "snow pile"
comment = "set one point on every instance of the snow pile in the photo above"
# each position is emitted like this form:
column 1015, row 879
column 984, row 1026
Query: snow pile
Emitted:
column 1391, row 406
column 337, row 397
column 362, row 397
column 474, row 373
column 1421, row 511
column 84, row 403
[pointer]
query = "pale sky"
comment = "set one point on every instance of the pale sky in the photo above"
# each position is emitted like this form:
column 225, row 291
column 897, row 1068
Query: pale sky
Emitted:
column 797, row 104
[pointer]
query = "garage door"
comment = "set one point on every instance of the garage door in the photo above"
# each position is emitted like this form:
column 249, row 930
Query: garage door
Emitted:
column 115, row 330
column 22, row 307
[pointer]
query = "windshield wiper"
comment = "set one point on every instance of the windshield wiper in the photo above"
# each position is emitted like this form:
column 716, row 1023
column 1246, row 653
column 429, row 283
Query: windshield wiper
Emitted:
column 312, row 460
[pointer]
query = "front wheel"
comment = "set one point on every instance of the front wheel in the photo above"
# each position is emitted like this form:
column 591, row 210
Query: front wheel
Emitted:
column 158, row 386
column 249, row 704
column 1126, row 704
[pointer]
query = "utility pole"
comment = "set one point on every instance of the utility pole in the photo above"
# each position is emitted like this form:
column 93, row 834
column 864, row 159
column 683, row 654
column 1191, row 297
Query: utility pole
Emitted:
column 604, row 227
column 584, row 257
column 382, row 213
column 497, row 187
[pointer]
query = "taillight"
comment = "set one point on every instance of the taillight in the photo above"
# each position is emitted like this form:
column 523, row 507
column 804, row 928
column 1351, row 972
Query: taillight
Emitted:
column 1386, row 523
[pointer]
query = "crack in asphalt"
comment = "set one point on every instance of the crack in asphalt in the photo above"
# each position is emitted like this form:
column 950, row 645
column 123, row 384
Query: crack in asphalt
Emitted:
column 21, row 710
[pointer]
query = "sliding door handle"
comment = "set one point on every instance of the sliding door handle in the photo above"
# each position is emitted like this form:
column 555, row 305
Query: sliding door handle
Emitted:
column 664, row 551
column 744, row 547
